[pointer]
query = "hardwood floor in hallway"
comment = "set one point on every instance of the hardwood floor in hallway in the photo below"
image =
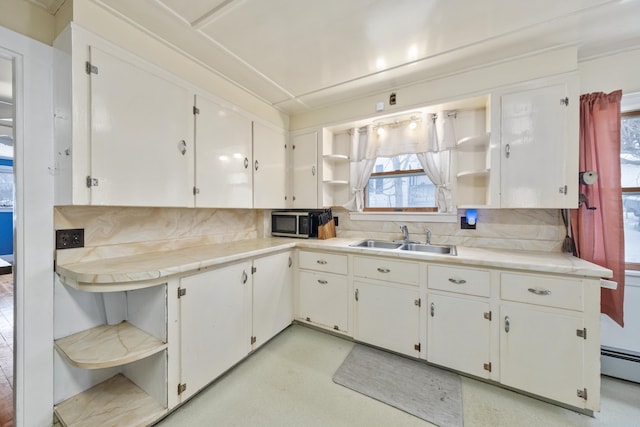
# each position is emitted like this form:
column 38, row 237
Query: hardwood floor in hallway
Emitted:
column 6, row 350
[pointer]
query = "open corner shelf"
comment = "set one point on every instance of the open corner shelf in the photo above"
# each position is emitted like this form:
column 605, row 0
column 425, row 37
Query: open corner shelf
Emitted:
column 474, row 173
column 336, row 182
column 114, row 402
column 108, row 345
column 474, row 141
column 336, row 157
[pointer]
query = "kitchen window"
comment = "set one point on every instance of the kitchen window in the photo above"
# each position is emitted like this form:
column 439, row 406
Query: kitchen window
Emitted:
column 399, row 184
column 630, row 173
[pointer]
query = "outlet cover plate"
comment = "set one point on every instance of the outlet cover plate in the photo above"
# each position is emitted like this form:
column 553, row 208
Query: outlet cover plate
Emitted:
column 70, row 238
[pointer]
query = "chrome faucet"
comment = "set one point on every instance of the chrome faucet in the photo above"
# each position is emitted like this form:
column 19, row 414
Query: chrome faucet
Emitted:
column 428, row 241
column 405, row 233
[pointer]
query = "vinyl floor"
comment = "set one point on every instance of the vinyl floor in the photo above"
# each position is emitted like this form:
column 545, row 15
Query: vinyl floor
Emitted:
column 6, row 350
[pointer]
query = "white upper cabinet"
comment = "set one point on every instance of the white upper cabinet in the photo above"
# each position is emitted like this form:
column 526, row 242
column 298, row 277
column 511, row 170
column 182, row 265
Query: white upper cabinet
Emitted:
column 539, row 146
column 141, row 136
column 269, row 167
column 304, row 169
column 224, row 161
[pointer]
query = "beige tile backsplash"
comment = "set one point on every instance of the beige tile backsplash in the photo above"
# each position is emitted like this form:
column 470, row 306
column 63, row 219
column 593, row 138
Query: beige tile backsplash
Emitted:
column 123, row 231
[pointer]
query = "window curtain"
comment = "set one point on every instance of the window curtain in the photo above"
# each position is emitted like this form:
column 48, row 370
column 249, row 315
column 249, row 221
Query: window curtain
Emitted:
column 599, row 233
column 367, row 145
column 436, row 161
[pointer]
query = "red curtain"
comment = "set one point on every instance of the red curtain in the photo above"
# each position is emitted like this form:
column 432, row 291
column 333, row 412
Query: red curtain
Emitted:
column 599, row 233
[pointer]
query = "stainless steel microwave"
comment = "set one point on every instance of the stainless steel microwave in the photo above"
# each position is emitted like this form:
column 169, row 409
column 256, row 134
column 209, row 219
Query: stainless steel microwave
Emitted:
column 293, row 224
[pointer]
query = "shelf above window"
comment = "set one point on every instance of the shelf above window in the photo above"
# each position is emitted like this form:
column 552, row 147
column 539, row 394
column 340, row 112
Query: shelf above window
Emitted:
column 108, row 345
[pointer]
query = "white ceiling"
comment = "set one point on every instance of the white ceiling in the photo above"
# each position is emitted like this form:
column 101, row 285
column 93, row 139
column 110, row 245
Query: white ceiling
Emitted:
column 300, row 55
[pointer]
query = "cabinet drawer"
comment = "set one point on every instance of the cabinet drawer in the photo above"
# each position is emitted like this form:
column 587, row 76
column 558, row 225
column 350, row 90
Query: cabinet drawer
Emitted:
column 330, row 263
column 542, row 290
column 469, row 281
column 386, row 269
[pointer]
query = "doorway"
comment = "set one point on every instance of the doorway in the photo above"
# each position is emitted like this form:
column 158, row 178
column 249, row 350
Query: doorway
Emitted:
column 7, row 196
column 7, row 193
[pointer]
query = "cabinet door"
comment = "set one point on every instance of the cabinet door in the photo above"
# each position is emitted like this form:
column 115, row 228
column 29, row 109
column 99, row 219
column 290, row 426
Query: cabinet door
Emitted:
column 214, row 324
column 305, row 170
column 272, row 296
column 141, row 136
column 388, row 316
column 540, row 352
column 539, row 166
column 224, row 161
column 459, row 334
column 269, row 168
column 323, row 300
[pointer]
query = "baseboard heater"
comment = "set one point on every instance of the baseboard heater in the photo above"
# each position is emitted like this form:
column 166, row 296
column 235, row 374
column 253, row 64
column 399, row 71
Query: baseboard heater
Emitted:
column 618, row 363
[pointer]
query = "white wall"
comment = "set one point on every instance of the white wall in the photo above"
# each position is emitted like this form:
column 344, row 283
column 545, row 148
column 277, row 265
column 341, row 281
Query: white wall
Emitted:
column 33, row 228
column 610, row 73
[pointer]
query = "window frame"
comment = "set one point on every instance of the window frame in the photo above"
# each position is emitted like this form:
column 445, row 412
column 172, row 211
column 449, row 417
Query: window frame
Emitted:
column 391, row 209
column 633, row 266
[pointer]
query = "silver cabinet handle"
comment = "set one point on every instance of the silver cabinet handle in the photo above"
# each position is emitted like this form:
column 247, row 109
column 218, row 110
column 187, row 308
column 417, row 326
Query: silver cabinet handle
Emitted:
column 539, row 291
column 321, row 262
column 383, row 270
column 245, row 277
column 357, row 294
column 507, row 324
column 313, row 171
column 432, row 309
column 457, row 281
column 182, row 146
column 255, row 165
column 322, row 281
column 507, row 150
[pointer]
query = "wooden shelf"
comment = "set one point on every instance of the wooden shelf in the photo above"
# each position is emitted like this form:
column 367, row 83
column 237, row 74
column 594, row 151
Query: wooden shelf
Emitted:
column 336, row 157
column 336, row 182
column 474, row 141
column 114, row 402
column 108, row 345
column 474, row 173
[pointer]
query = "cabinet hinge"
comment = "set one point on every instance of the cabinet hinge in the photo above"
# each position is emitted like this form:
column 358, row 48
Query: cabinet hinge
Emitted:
column 336, row 327
column 582, row 333
column 90, row 69
column 565, row 101
column 418, row 302
column 487, row 316
column 487, row 366
column 92, row 182
column 181, row 292
column 253, row 340
column 308, row 319
column 417, row 347
column 196, row 110
column 253, row 270
column 182, row 388
column 196, row 190
column 563, row 190
column 582, row 393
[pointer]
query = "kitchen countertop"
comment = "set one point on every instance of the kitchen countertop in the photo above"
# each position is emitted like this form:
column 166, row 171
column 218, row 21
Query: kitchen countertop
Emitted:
column 148, row 268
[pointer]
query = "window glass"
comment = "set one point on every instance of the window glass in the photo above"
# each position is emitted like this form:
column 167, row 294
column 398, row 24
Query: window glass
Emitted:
column 399, row 183
column 630, row 175
column 6, row 187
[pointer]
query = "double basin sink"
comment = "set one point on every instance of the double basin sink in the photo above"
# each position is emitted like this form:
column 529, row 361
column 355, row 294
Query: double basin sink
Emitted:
column 412, row 247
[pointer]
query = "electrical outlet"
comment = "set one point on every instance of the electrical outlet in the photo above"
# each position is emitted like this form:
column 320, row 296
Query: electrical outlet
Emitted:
column 70, row 238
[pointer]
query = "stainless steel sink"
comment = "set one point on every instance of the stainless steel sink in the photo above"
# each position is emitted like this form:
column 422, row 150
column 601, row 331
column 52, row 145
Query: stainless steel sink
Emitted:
column 377, row 244
column 434, row 249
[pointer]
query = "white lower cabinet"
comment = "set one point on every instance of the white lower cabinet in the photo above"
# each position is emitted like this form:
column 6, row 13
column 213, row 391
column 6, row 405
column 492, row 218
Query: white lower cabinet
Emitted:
column 387, row 315
column 227, row 312
column 215, row 316
column 459, row 320
column 541, row 353
column 459, row 334
column 323, row 290
column 272, row 296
